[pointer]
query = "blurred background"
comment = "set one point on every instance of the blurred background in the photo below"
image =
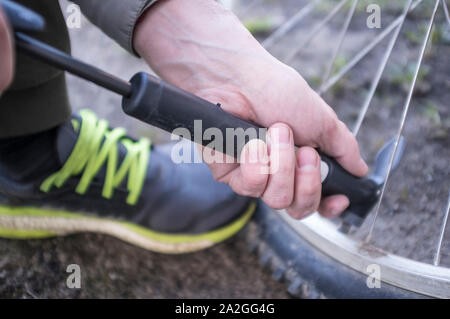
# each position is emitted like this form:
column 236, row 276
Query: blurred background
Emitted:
column 415, row 201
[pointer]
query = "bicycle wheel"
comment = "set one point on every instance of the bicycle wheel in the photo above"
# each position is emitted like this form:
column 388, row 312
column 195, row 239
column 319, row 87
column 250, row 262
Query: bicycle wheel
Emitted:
column 383, row 80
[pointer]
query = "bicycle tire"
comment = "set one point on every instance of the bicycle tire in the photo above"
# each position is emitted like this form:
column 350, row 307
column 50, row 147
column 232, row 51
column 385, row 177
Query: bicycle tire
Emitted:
column 306, row 271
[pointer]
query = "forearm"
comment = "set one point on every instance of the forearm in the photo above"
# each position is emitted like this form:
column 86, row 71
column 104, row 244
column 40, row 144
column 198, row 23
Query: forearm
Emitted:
column 202, row 47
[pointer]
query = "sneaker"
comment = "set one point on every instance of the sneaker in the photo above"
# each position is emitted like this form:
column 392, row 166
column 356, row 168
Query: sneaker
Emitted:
column 85, row 177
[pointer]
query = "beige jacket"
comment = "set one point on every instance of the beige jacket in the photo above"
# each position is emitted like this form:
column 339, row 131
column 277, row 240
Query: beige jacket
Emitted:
column 117, row 18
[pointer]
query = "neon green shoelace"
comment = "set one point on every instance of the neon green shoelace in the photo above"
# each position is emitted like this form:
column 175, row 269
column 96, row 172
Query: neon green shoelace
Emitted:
column 90, row 154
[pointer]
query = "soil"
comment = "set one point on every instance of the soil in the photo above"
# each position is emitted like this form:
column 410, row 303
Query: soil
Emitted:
column 411, row 212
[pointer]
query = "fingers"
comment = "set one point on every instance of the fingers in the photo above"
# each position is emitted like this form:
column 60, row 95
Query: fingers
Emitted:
column 250, row 178
column 6, row 53
column 279, row 192
column 282, row 177
column 308, row 186
column 318, row 126
column 333, row 206
column 267, row 171
column 337, row 141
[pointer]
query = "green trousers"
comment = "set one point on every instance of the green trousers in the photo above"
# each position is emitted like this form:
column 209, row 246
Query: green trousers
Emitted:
column 37, row 99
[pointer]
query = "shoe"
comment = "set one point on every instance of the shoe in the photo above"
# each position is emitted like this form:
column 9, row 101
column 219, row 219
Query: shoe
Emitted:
column 85, row 177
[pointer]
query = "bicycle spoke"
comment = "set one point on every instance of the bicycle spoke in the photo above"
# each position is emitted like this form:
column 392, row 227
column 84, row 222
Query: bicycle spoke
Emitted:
column 315, row 31
column 249, row 6
column 403, row 118
column 437, row 256
column 289, row 24
column 447, row 15
column 380, row 70
column 337, row 49
column 361, row 54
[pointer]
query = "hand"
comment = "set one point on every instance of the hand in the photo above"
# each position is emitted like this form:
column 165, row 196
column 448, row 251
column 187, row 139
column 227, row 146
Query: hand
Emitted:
column 6, row 53
column 203, row 48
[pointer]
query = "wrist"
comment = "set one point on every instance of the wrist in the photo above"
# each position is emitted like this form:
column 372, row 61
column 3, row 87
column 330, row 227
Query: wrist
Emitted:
column 203, row 48
column 185, row 33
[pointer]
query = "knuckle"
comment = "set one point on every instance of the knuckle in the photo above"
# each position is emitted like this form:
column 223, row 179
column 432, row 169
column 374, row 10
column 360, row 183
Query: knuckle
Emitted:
column 294, row 213
column 332, row 116
column 283, row 166
column 250, row 193
column 308, row 208
column 310, row 190
column 255, row 181
column 254, row 187
column 297, row 213
column 282, row 169
column 242, row 188
column 354, row 145
column 331, row 126
column 350, row 147
column 279, row 201
column 246, row 190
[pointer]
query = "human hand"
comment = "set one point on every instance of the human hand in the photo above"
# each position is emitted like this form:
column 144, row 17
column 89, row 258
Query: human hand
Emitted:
column 203, row 48
column 6, row 53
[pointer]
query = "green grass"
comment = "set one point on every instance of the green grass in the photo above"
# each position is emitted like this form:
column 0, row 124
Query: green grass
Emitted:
column 404, row 75
column 431, row 111
column 339, row 63
column 416, row 37
column 258, row 26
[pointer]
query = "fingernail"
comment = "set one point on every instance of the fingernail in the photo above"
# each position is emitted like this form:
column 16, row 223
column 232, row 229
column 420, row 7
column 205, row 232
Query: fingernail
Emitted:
column 308, row 160
column 280, row 134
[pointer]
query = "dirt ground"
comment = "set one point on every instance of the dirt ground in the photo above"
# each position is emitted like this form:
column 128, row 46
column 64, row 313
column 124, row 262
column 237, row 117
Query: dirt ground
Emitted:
column 411, row 212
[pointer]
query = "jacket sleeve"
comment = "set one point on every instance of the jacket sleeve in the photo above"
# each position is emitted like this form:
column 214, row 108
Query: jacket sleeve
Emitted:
column 117, row 18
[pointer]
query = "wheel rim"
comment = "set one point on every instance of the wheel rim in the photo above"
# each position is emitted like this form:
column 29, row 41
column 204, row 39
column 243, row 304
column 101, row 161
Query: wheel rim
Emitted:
column 401, row 272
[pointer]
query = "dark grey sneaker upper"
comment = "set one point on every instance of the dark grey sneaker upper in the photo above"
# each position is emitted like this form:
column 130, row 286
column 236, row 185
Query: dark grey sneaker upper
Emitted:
column 175, row 198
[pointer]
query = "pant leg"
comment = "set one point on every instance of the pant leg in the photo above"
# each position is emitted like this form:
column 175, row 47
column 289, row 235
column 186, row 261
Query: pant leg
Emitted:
column 37, row 99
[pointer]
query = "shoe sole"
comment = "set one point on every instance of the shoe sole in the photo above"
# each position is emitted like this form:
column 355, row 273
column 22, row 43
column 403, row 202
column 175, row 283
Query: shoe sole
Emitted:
column 32, row 223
